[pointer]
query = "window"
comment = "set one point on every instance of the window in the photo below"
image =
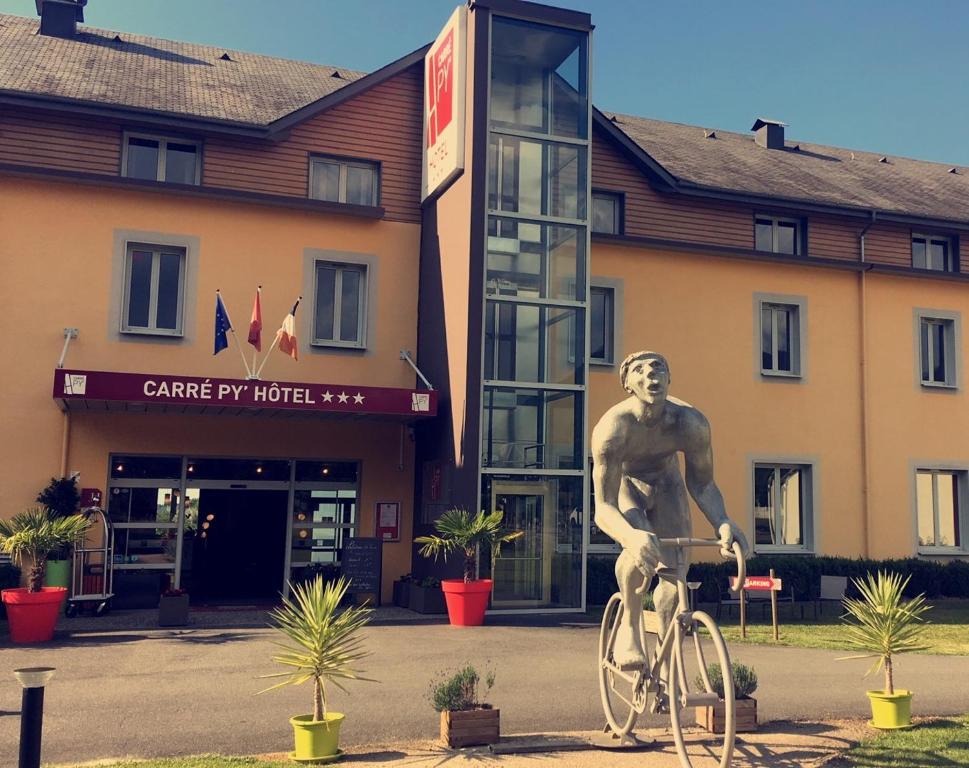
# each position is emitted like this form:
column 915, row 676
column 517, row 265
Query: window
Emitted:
column 782, row 506
column 155, row 158
column 602, row 318
column 777, row 235
column 933, row 252
column 344, row 181
column 940, row 500
column 340, row 306
column 599, row 540
column 607, row 213
column 154, row 289
column 937, row 351
column 780, row 345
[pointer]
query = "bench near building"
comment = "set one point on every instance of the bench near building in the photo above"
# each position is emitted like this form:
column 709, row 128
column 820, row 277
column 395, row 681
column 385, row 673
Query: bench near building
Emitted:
column 468, row 204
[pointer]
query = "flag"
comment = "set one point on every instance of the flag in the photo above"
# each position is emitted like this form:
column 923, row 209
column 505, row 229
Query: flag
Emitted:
column 255, row 324
column 286, row 335
column 222, row 324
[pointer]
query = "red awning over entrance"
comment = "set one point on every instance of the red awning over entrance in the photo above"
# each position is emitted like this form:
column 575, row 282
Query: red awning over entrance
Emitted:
column 165, row 393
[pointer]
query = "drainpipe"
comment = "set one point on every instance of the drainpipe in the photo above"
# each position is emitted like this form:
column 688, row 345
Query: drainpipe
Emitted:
column 65, row 441
column 865, row 436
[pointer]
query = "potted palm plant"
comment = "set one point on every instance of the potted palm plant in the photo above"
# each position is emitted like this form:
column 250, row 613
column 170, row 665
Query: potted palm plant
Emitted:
column 61, row 499
column 457, row 529
column 466, row 720
column 881, row 624
column 323, row 645
column 31, row 536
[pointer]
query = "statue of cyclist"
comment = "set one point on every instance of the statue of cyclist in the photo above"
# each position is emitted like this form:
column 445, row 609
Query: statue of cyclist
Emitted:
column 640, row 494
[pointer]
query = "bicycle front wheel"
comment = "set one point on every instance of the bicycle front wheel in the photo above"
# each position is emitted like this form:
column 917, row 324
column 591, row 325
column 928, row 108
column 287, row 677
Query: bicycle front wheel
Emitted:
column 690, row 686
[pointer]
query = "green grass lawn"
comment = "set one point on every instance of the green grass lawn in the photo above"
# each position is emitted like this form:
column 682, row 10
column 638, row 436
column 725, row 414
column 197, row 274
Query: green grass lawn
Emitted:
column 946, row 630
column 941, row 742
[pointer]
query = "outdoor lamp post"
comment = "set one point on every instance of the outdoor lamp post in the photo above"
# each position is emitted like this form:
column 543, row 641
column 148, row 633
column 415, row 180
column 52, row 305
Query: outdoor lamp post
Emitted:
column 33, row 679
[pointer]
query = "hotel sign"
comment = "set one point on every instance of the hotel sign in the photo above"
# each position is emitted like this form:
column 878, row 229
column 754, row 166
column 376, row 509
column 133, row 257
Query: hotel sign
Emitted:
column 310, row 397
column 444, row 81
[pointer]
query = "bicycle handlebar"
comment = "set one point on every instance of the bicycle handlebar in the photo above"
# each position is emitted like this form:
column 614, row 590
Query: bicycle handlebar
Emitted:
column 680, row 541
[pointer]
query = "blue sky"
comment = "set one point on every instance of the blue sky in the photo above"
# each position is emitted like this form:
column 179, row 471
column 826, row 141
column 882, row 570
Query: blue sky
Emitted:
column 879, row 75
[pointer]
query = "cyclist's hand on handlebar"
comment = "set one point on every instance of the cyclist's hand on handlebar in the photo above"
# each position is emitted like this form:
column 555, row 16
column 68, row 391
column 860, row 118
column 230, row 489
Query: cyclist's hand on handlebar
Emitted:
column 729, row 532
column 643, row 547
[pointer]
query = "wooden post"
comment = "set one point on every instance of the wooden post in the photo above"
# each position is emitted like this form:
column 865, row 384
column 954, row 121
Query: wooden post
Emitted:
column 743, row 612
column 773, row 604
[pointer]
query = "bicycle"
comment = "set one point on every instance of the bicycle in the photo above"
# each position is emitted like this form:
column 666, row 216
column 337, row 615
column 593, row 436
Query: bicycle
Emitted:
column 665, row 677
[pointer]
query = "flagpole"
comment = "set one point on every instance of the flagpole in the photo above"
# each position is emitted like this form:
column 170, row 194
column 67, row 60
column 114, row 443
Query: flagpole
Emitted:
column 255, row 374
column 241, row 352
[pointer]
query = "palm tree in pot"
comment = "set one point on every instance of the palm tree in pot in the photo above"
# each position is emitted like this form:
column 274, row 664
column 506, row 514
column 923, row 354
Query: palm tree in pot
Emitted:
column 882, row 624
column 60, row 498
column 458, row 530
column 29, row 537
column 323, row 645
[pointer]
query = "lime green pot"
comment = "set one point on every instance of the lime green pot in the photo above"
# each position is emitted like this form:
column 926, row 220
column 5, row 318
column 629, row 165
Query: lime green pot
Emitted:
column 58, row 573
column 890, row 711
column 316, row 740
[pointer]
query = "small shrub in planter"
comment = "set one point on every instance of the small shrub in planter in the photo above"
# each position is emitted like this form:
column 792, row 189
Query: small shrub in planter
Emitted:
column 744, row 684
column 402, row 590
column 466, row 720
column 425, row 596
column 173, row 608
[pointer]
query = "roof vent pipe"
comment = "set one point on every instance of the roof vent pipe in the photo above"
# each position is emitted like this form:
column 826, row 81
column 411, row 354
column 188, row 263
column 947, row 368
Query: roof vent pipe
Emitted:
column 58, row 18
column 769, row 133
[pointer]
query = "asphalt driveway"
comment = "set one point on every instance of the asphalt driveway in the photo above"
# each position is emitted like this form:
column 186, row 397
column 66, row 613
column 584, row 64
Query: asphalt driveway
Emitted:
column 165, row 692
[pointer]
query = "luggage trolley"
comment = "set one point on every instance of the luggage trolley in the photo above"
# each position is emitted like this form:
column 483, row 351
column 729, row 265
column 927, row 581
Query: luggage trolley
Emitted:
column 92, row 569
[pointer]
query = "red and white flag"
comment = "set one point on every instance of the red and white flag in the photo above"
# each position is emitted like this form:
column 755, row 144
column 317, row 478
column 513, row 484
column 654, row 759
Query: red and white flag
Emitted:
column 255, row 324
column 286, row 335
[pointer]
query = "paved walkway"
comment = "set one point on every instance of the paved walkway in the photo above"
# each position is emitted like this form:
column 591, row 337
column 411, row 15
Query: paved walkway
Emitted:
column 146, row 692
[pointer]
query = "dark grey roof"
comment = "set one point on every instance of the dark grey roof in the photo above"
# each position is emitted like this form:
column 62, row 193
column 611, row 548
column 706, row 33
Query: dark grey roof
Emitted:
column 159, row 75
column 802, row 171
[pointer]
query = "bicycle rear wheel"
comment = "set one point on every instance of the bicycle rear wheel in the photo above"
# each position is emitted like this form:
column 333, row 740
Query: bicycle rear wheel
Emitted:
column 623, row 692
column 705, row 647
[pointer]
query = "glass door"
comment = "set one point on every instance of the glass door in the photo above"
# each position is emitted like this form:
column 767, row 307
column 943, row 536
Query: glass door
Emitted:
column 523, row 573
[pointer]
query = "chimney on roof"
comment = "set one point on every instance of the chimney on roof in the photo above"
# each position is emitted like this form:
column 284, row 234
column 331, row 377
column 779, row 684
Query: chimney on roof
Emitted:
column 769, row 133
column 58, row 18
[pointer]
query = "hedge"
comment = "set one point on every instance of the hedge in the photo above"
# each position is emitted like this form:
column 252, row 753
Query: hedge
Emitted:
column 803, row 573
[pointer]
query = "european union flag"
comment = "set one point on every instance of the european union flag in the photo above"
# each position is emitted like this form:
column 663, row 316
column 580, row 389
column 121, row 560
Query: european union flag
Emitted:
column 222, row 324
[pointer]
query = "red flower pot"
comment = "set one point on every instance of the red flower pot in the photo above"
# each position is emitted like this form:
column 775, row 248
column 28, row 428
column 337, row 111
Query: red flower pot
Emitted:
column 466, row 602
column 32, row 615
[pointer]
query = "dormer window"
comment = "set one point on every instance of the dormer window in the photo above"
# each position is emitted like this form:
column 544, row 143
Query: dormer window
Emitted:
column 777, row 235
column 934, row 252
column 160, row 158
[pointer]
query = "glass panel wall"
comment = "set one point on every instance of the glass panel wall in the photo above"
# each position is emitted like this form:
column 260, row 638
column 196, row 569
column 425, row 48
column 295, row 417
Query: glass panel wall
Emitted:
column 535, row 302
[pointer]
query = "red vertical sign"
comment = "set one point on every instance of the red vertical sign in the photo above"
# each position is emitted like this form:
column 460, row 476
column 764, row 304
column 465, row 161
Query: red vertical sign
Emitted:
column 440, row 95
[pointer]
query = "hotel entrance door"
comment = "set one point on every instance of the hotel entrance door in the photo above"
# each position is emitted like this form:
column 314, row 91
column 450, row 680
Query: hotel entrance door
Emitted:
column 523, row 573
column 239, row 545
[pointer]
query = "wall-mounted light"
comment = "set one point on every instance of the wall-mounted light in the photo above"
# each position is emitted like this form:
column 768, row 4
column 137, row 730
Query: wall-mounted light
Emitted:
column 204, row 534
column 191, row 467
column 210, row 517
column 205, row 526
column 258, row 470
column 119, row 468
column 303, row 533
column 301, row 516
column 326, row 470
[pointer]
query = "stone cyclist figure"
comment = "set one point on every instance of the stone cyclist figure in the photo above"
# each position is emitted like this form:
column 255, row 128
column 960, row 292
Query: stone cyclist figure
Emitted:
column 640, row 494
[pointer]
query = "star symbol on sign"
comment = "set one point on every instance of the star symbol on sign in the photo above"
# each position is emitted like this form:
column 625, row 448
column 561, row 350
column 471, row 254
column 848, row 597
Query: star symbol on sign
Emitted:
column 343, row 397
column 327, row 397
column 358, row 399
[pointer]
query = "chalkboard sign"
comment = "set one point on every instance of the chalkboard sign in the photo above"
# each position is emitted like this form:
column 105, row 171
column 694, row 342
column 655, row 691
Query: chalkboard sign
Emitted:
column 361, row 564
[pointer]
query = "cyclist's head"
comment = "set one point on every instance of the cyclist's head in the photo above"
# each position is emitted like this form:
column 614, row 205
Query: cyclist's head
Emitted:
column 635, row 356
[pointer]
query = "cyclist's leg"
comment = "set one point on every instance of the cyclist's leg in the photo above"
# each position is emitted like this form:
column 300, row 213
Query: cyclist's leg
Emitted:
column 628, row 651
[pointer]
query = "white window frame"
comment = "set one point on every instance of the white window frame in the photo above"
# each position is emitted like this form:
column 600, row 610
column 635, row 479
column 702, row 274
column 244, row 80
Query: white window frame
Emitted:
column 952, row 266
column 362, row 314
column 344, row 164
column 797, row 307
column 156, row 250
column 619, row 200
column 962, row 476
column 162, row 154
column 951, row 324
column 774, row 221
column 794, row 324
column 808, row 471
column 594, row 548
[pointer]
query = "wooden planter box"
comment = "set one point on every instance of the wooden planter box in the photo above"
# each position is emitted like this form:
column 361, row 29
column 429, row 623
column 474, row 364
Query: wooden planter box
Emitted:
column 712, row 718
column 173, row 611
column 469, row 728
column 426, row 599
